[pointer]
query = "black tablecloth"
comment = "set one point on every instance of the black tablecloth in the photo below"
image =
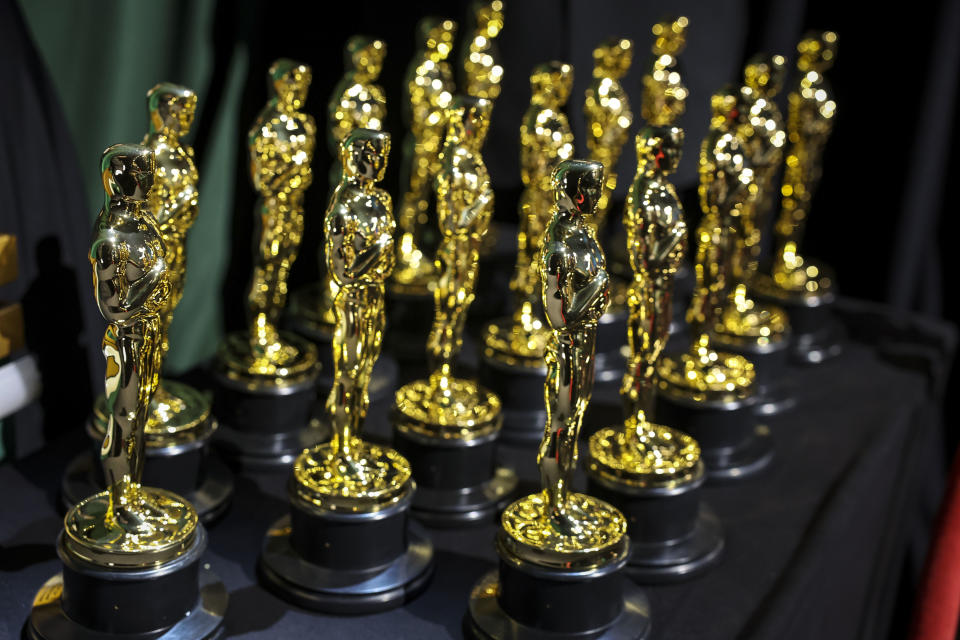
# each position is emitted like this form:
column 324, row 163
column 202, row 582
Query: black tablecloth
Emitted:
column 824, row 544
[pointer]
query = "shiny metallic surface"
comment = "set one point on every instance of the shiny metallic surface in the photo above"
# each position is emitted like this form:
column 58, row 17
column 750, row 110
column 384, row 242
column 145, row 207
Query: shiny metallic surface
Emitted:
column 348, row 473
column 545, row 140
column 607, row 111
column 357, row 102
column 557, row 527
column 482, row 71
column 281, row 143
column 810, row 114
column 756, row 118
column 129, row 525
column 444, row 405
column 429, row 91
column 727, row 183
column 664, row 95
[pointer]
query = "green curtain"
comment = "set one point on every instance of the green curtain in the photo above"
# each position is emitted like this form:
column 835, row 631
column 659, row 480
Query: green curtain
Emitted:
column 103, row 57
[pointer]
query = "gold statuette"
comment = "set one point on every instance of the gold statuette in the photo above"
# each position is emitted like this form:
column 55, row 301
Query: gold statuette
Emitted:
column 640, row 453
column 357, row 102
column 129, row 525
column 177, row 410
column 608, row 114
column 756, row 119
column 810, row 115
column 429, row 91
column 445, row 405
column 664, row 96
column 349, row 474
column 281, row 144
column 482, row 73
column 545, row 140
column 727, row 185
column 559, row 528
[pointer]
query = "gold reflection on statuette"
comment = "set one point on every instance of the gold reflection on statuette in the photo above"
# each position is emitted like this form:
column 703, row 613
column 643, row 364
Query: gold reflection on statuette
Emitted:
column 482, row 72
column 545, row 140
column 664, row 95
column 348, row 473
column 129, row 525
column 727, row 184
column 559, row 527
column 281, row 144
column 608, row 114
column 429, row 91
column 810, row 114
column 444, row 405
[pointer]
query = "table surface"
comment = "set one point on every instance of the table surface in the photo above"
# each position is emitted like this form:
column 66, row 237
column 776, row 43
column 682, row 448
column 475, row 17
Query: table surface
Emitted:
column 815, row 544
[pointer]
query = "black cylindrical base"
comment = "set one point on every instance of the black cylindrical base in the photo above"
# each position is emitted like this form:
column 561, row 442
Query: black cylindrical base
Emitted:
column 774, row 390
column 817, row 333
column 673, row 536
column 208, row 485
column 527, row 602
column 264, row 427
column 520, row 389
column 373, row 562
column 175, row 601
column 458, row 482
column 732, row 444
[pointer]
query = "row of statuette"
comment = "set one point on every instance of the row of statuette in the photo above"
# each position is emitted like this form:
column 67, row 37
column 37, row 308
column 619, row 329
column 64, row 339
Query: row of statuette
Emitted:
column 354, row 540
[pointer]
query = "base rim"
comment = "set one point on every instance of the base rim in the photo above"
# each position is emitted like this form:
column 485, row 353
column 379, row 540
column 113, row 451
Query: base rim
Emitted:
column 486, row 620
column 747, row 460
column 48, row 621
column 662, row 564
column 339, row 597
column 447, row 508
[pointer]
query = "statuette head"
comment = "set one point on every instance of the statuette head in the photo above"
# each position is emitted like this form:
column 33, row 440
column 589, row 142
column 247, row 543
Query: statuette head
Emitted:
column 660, row 147
column 437, row 35
column 817, row 51
column 612, row 58
column 578, row 185
column 552, row 79
column 127, row 171
column 469, row 119
column 366, row 55
column 172, row 108
column 290, row 81
column 764, row 74
column 364, row 154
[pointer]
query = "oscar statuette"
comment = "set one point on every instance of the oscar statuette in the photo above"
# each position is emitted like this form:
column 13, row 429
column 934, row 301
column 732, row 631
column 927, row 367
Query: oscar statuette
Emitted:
column 757, row 330
column 130, row 554
column 179, row 425
column 266, row 378
column 608, row 117
column 347, row 545
column 447, row 426
column 428, row 91
column 710, row 393
column 512, row 349
column 561, row 552
column 805, row 288
column 357, row 102
column 651, row 472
